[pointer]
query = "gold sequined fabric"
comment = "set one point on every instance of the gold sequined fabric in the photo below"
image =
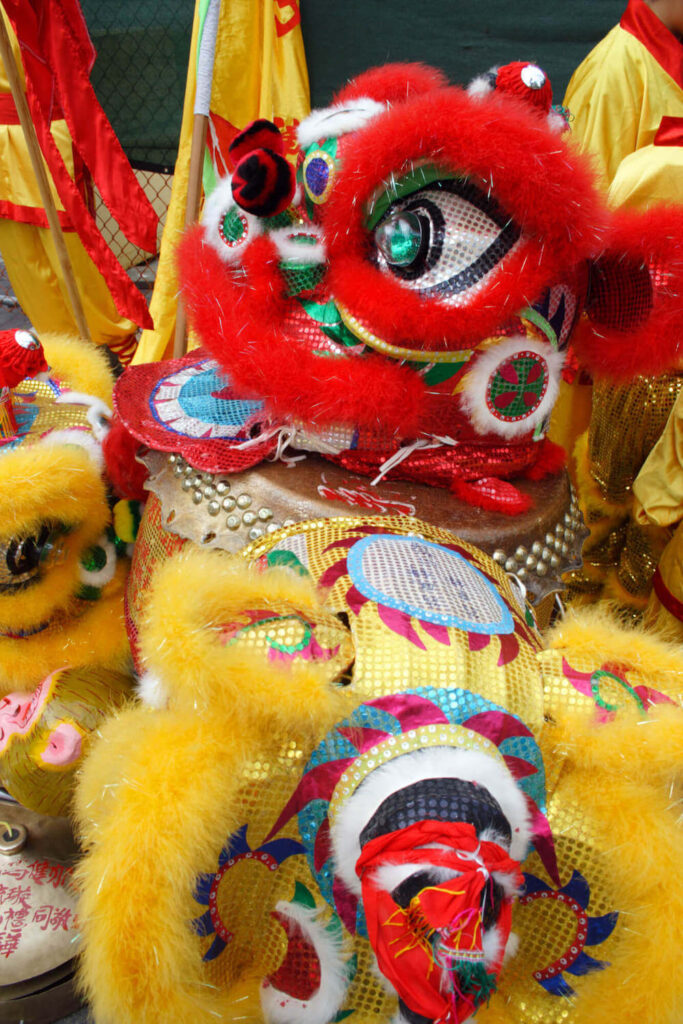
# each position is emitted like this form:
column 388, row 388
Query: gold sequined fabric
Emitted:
column 626, row 422
column 153, row 546
column 418, row 565
column 37, row 412
column 620, row 556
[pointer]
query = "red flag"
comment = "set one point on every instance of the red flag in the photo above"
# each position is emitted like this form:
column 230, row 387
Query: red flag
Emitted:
column 58, row 56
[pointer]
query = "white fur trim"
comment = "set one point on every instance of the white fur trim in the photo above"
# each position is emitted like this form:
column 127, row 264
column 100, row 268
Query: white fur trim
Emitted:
column 152, row 691
column 80, row 439
column 556, row 122
column 512, row 947
column 340, row 119
column 297, row 252
column 432, row 763
column 492, row 945
column 219, row 203
column 334, row 979
column 388, row 876
column 476, row 382
column 480, row 87
column 99, row 414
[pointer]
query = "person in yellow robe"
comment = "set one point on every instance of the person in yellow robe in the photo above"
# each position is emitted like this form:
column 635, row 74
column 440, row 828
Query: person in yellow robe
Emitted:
column 626, row 102
column 628, row 92
column 26, row 243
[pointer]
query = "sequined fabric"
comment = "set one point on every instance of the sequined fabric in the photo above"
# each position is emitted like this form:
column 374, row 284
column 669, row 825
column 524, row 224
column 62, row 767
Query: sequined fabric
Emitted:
column 396, row 621
column 440, row 466
column 620, row 556
column 154, row 545
column 626, row 422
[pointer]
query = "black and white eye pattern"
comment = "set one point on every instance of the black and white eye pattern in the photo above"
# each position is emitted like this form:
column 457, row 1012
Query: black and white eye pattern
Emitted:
column 445, row 239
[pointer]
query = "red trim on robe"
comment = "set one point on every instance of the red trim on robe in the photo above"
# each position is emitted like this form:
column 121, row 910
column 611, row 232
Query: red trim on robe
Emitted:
column 666, row 598
column 640, row 21
column 670, row 132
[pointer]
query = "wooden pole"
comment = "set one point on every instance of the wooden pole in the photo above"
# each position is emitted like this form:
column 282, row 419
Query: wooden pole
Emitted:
column 48, row 202
column 194, row 195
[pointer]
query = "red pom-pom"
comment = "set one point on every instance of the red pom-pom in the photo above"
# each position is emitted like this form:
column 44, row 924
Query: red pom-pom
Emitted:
column 527, row 82
column 263, row 183
column 125, row 474
column 21, row 356
column 261, row 134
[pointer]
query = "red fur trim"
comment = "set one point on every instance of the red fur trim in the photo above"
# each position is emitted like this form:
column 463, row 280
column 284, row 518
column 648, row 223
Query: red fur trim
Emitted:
column 491, row 494
column 125, row 474
column 626, row 335
column 392, row 83
column 238, row 315
column 551, row 459
column 547, row 189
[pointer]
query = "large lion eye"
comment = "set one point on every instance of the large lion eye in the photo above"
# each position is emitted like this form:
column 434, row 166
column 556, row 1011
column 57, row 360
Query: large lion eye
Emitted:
column 444, row 239
column 21, row 558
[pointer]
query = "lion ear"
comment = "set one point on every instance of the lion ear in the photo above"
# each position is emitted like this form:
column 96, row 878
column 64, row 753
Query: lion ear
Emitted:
column 635, row 300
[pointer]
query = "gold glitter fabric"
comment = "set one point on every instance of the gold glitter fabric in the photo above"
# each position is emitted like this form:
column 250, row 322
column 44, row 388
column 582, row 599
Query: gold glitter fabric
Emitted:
column 626, row 421
column 399, row 587
column 620, row 556
column 425, row 612
column 447, row 683
column 152, row 547
column 38, row 414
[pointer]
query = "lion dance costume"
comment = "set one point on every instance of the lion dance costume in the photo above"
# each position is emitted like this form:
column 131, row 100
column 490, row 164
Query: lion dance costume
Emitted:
column 362, row 785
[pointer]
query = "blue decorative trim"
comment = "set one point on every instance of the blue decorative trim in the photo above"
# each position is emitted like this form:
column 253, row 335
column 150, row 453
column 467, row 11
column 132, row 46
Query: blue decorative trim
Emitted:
column 504, row 624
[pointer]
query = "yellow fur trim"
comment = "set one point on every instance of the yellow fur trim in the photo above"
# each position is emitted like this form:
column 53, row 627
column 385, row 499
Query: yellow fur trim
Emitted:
column 80, row 365
column 39, row 486
column 599, row 636
column 196, row 592
column 52, row 482
column 179, row 772
column 641, row 848
column 181, row 775
column 642, row 748
column 97, row 637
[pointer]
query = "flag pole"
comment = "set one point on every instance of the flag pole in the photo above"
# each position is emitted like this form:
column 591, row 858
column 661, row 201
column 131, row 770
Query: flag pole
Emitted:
column 202, row 104
column 38, row 165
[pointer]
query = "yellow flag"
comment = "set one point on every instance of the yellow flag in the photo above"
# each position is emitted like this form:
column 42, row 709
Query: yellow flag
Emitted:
column 259, row 71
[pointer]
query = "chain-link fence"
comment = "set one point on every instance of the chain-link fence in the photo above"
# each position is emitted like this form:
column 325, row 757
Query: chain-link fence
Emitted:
column 139, row 78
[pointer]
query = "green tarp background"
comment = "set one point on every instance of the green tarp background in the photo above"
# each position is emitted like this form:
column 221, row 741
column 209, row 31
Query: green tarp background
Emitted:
column 143, row 49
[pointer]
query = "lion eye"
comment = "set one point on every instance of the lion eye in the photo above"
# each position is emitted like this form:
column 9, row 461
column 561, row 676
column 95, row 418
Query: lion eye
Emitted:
column 22, row 557
column 401, row 238
column 444, row 239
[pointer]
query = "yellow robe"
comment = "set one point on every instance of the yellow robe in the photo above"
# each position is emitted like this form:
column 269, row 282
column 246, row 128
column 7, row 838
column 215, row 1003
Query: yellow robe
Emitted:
column 618, row 98
column 619, row 95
